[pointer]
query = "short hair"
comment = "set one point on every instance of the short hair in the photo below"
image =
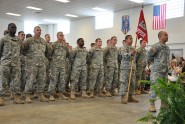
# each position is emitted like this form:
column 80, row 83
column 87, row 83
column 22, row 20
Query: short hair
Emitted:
column 127, row 36
column 97, row 39
column 10, row 25
column 92, row 44
column 46, row 35
column 79, row 40
column 59, row 32
column 108, row 40
column 6, row 32
column 160, row 33
column 20, row 32
column 28, row 35
column 36, row 27
column 113, row 37
column 141, row 41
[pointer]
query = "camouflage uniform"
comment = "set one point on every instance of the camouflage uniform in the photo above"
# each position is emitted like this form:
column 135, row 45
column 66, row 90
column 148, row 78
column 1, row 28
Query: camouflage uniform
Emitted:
column 58, row 67
column 141, row 61
column 158, row 57
column 78, row 58
column 23, row 72
column 95, row 59
column 111, row 61
column 10, row 53
column 35, row 51
column 125, row 59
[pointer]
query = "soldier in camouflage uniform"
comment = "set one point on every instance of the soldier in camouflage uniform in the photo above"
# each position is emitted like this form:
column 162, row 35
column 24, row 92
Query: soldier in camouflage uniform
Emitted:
column 10, row 54
column 47, row 39
column 111, row 61
column 126, row 56
column 95, row 61
column 141, row 62
column 58, row 67
column 68, row 70
column 78, row 58
column 36, row 49
column 158, row 57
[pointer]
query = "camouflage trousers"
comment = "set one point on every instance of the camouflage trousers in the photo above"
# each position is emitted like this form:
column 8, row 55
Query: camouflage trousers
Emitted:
column 13, row 73
column 140, row 75
column 23, row 77
column 96, row 78
column 57, row 76
column 124, row 80
column 153, row 78
column 47, row 77
column 112, row 78
column 79, row 75
column 35, row 74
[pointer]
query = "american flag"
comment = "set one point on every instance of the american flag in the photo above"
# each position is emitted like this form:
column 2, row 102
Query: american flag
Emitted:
column 159, row 17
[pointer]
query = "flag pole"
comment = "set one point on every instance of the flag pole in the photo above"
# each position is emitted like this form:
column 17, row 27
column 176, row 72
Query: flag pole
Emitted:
column 131, row 70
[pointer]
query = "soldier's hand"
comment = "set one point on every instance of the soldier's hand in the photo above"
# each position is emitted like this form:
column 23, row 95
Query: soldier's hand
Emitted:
column 133, row 52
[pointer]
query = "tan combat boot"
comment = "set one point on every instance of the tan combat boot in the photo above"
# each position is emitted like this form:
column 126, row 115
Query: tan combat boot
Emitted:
column 152, row 106
column 17, row 100
column 137, row 92
column 62, row 96
column 100, row 94
column 108, row 94
column 28, row 98
column 1, row 101
column 42, row 98
column 51, row 98
column 73, row 95
column 115, row 92
column 84, row 95
column 131, row 99
column 143, row 91
column 92, row 94
column 124, row 98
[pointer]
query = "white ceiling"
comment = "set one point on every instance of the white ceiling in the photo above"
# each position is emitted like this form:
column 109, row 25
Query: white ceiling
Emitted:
column 56, row 10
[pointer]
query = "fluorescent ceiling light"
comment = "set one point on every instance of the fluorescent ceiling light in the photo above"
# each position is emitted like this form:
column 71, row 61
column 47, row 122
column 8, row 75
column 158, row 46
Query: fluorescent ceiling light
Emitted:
column 70, row 15
column 34, row 8
column 13, row 14
column 99, row 9
column 63, row 1
column 48, row 20
column 137, row 1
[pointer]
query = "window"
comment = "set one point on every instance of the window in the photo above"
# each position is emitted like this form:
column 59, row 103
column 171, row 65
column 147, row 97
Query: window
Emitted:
column 64, row 26
column 29, row 26
column 104, row 21
column 175, row 8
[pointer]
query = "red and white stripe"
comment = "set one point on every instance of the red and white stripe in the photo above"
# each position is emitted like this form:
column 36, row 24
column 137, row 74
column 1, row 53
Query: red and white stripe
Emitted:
column 159, row 22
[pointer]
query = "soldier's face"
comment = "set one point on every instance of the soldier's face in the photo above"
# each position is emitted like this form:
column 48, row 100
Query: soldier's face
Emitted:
column 37, row 31
column 114, row 40
column 22, row 36
column 99, row 43
column 81, row 43
column 109, row 43
column 47, row 38
column 143, row 44
column 61, row 36
column 129, row 40
column 12, row 29
column 165, row 36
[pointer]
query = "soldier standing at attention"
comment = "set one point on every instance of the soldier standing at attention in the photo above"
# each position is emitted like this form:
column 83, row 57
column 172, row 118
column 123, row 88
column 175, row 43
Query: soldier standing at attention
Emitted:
column 10, row 54
column 78, row 58
column 126, row 55
column 111, row 60
column 58, row 67
column 36, row 49
column 141, row 62
column 95, row 60
column 158, row 57
column 47, row 39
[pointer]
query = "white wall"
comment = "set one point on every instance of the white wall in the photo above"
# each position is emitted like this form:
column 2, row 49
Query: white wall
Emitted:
column 4, row 25
column 86, row 28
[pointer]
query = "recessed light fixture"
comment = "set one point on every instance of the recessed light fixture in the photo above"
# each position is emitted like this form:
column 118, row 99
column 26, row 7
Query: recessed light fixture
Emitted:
column 70, row 15
column 34, row 8
column 137, row 1
column 49, row 20
column 13, row 14
column 63, row 1
column 99, row 9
